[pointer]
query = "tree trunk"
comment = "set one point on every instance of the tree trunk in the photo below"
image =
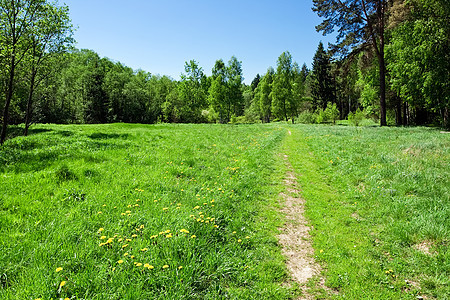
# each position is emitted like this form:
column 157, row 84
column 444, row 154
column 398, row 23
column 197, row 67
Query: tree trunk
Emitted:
column 9, row 94
column 382, row 90
column 398, row 112
column 30, row 103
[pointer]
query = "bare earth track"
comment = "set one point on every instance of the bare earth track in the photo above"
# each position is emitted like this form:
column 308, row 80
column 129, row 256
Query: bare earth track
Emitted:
column 295, row 238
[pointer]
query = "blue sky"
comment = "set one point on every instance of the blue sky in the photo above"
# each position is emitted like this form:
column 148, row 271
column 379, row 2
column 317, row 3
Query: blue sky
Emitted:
column 159, row 36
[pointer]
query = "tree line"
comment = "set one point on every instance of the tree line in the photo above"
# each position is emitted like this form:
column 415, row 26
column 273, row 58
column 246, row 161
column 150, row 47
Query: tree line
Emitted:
column 391, row 62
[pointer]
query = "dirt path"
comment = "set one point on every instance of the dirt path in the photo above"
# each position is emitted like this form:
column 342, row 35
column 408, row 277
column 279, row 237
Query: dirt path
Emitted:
column 295, row 238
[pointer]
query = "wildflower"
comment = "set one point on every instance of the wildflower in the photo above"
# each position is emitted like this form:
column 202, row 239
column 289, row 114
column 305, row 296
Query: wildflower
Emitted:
column 180, row 267
column 321, row 251
column 141, row 227
column 125, row 254
column 120, row 261
column 148, row 266
column 247, row 237
column 58, row 269
column 102, row 244
column 184, row 231
column 100, row 229
column 128, row 212
column 113, row 269
column 153, row 236
column 233, row 232
column 193, row 236
column 169, row 235
column 197, row 207
column 165, row 266
column 144, row 249
column 132, row 256
column 124, row 246
column 99, row 212
column 239, row 240
column 165, row 208
column 103, row 237
column 134, row 235
column 138, row 264
column 63, row 283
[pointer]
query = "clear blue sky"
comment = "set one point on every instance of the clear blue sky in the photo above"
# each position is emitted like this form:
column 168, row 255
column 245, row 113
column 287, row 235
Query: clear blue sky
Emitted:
column 159, row 36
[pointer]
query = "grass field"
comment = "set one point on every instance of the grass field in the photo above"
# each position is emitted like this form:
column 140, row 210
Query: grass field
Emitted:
column 191, row 211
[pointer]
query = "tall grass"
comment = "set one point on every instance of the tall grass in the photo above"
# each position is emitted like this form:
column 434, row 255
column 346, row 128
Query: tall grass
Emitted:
column 140, row 212
column 379, row 201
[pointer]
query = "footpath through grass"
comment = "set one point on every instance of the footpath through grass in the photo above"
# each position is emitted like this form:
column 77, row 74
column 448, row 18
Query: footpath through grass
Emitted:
column 379, row 202
column 190, row 211
column 141, row 212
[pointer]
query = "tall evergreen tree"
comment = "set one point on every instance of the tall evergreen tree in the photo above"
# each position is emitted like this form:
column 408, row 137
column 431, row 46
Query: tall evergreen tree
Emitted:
column 321, row 83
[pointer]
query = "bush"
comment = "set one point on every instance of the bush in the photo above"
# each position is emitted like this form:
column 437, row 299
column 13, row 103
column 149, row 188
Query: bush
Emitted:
column 356, row 117
column 306, row 117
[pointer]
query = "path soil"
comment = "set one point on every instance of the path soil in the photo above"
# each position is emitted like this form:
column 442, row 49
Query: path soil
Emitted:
column 295, row 238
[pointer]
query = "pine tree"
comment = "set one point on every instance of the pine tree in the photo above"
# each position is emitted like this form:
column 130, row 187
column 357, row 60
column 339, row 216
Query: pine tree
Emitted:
column 322, row 83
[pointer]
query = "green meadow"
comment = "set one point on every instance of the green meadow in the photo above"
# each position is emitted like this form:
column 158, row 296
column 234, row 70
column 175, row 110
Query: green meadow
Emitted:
column 124, row 211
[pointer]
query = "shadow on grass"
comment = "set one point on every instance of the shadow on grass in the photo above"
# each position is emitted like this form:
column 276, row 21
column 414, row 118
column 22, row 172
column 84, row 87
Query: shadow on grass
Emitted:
column 15, row 131
column 102, row 136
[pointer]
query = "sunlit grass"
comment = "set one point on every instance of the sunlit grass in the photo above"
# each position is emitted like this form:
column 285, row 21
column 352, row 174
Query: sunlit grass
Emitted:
column 379, row 201
column 140, row 212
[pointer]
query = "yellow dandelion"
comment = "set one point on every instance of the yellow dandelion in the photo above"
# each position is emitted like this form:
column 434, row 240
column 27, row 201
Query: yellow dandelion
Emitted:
column 63, row 283
column 103, row 237
column 144, row 249
column 102, row 244
column 113, row 269
column 141, row 227
column 128, row 212
column 184, row 231
column 165, row 208
column 58, row 269
column 124, row 246
column 321, row 251
column 132, row 256
column 216, row 226
column 99, row 212
column 129, row 240
column 136, row 205
column 180, row 267
column 123, row 214
column 247, row 237
column 197, row 207
column 100, row 229
column 125, row 254
column 134, row 235
column 138, row 264
column 239, row 240
column 165, row 266
column 150, row 267
column 233, row 232
column 193, row 236
column 169, row 235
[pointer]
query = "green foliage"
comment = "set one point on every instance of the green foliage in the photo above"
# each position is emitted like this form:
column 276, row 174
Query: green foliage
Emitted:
column 322, row 86
column 356, row 117
column 419, row 57
column 264, row 95
column 306, row 117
